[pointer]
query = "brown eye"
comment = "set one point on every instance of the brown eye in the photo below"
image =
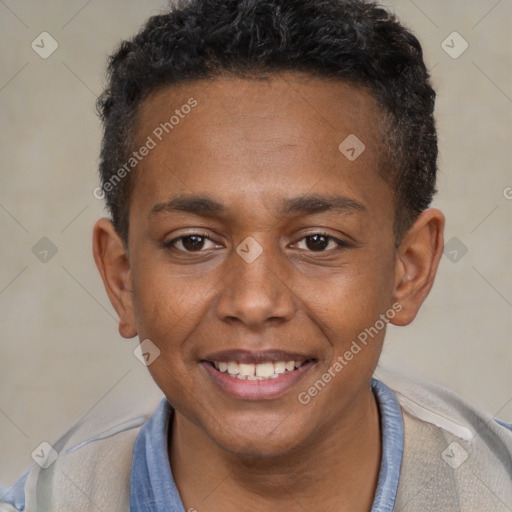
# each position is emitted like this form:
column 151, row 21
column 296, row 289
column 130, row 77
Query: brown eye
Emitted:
column 319, row 242
column 190, row 243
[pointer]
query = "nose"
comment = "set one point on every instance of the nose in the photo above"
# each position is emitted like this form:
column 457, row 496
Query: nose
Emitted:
column 255, row 293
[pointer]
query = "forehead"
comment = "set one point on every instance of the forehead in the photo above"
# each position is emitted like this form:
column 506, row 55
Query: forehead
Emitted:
column 260, row 138
column 306, row 106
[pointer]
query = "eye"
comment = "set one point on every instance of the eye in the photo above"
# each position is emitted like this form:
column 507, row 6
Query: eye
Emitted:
column 191, row 242
column 319, row 242
column 197, row 242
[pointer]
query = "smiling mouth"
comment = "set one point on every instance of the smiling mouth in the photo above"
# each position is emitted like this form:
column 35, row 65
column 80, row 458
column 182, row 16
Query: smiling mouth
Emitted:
column 262, row 371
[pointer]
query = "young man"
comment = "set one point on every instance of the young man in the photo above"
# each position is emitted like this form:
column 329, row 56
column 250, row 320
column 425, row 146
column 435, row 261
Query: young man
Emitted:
column 269, row 167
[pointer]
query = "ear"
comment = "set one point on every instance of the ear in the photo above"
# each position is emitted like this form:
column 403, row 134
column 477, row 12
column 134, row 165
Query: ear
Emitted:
column 417, row 260
column 112, row 262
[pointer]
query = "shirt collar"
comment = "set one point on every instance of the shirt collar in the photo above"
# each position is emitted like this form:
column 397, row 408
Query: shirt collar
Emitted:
column 152, row 487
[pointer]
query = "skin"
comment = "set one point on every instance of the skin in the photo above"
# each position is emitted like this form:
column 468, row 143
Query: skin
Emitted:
column 249, row 144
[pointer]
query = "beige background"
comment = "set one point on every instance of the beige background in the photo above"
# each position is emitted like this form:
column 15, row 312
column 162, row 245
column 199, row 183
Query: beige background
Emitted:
column 60, row 351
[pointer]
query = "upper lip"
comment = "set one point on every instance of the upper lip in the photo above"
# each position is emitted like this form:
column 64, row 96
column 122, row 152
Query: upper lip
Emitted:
column 256, row 357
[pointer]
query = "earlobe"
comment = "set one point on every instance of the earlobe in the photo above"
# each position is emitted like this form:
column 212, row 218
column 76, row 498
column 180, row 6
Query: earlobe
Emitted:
column 112, row 262
column 417, row 260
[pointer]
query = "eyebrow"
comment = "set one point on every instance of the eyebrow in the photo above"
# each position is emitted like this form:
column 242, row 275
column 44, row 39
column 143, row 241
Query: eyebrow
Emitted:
column 302, row 205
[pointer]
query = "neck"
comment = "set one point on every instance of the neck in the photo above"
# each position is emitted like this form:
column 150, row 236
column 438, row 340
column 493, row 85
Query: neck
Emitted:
column 338, row 469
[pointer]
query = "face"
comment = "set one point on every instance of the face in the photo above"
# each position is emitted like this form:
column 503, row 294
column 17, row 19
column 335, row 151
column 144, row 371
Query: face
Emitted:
column 256, row 244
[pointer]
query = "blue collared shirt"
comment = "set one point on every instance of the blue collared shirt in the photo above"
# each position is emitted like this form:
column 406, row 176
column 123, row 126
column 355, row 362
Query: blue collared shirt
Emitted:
column 152, row 487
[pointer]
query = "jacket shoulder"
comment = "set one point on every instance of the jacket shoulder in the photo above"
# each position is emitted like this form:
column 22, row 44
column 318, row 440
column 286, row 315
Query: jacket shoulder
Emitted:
column 88, row 468
column 456, row 456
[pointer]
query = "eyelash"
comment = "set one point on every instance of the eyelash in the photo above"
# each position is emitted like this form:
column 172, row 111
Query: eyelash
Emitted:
column 171, row 243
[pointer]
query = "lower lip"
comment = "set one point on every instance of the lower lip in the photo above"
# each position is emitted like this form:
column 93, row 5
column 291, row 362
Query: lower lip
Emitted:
column 256, row 389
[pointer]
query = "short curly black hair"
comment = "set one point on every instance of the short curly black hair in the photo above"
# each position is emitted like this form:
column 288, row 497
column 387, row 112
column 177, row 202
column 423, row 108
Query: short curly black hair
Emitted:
column 356, row 41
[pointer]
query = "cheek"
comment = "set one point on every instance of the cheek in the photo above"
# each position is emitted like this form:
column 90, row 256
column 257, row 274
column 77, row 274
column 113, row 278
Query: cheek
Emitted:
column 167, row 312
column 359, row 290
column 348, row 306
column 163, row 299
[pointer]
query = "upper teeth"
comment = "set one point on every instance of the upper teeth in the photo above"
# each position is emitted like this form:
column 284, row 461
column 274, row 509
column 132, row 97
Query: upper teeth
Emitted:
column 249, row 371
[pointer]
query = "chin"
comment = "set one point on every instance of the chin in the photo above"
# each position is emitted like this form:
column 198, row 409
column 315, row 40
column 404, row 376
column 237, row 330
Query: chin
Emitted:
column 264, row 437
